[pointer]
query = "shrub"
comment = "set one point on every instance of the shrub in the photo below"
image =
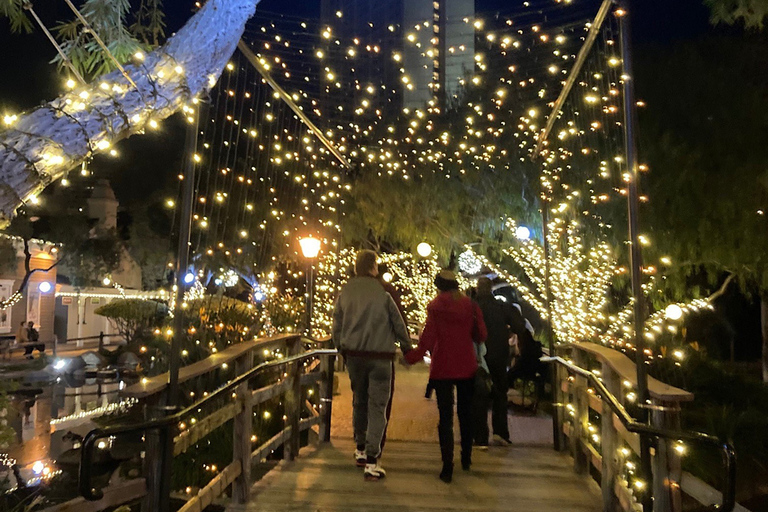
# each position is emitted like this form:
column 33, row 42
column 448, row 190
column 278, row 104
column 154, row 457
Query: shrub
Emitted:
column 134, row 319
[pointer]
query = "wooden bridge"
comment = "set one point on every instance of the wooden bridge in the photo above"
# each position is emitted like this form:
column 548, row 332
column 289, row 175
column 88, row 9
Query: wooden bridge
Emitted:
column 599, row 471
column 532, row 478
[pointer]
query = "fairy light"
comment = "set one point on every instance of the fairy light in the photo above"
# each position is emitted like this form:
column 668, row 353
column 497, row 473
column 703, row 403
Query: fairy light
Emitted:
column 122, row 406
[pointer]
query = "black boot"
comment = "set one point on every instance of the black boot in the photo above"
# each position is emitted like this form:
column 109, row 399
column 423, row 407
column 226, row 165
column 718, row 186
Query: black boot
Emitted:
column 466, row 461
column 446, row 475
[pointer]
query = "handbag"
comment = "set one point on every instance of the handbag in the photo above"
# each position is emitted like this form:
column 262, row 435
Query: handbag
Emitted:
column 483, row 382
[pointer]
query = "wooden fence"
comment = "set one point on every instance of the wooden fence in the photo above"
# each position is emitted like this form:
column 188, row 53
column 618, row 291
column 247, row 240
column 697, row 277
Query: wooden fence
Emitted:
column 601, row 444
column 301, row 366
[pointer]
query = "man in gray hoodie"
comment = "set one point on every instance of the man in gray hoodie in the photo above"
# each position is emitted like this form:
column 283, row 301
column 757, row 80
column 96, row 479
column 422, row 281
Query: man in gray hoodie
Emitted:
column 367, row 328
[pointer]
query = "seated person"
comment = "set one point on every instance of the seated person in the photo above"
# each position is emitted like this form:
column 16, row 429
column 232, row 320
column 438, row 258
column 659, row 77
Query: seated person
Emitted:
column 33, row 336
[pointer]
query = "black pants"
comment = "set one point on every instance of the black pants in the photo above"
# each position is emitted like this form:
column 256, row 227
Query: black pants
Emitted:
column 444, row 392
column 29, row 348
column 497, row 400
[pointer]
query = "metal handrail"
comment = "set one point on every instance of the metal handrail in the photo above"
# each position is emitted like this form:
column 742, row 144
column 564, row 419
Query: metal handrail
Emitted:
column 726, row 448
column 89, row 442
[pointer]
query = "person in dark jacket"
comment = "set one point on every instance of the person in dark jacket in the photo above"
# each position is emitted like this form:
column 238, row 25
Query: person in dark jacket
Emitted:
column 454, row 323
column 501, row 320
column 366, row 329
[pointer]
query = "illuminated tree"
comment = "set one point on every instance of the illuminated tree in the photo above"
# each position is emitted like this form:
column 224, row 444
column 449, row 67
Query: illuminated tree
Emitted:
column 750, row 12
column 707, row 181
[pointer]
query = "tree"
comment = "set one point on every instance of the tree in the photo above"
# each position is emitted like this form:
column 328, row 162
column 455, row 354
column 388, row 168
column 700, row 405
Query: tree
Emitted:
column 702, row 138
column 750, row 12
column 134, row 318
column 39, row 147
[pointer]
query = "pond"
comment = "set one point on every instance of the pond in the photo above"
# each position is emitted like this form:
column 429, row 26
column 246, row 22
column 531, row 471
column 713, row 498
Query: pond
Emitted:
column 49, row 420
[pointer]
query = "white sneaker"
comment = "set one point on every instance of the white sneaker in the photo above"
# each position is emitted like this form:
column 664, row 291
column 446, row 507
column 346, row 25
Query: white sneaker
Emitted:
column 500, row 441
column 360, row 458
column 374, row 472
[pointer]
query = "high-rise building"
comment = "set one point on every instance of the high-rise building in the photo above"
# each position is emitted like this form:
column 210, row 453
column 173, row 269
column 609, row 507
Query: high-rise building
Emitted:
column 422, row 48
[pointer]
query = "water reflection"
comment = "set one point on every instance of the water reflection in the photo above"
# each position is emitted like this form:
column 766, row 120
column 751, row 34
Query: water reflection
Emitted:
column 50, row 421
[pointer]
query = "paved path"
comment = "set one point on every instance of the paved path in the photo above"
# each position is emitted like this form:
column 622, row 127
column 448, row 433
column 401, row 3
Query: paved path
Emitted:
column 414, row 418
column 523, row 477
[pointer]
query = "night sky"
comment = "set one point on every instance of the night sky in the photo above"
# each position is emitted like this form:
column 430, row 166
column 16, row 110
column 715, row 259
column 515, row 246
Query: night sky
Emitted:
column 29, row 79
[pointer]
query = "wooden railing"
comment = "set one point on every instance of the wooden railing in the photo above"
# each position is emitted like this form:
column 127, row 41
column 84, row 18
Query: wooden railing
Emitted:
column 301, row 363
column 598, row 382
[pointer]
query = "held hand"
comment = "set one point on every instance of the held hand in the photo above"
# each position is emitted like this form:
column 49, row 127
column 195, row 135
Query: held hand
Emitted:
column 403, row 362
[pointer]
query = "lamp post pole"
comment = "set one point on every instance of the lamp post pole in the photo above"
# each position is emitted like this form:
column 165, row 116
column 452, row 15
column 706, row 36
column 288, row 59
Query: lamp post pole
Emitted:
column 310, row 248
column 310, row 294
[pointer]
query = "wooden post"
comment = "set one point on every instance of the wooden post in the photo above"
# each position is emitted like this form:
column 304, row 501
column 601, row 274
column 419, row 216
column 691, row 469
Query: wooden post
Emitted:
column 559, row 401
column 327, row 364
column 609, row 440
column 242, row 432
column 293, row 400
column 580, row 462
column 101, row 341
column 157, row 441
column 667, row 470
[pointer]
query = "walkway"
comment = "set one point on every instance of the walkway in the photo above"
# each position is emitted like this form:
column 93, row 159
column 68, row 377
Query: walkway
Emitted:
column 523, row 477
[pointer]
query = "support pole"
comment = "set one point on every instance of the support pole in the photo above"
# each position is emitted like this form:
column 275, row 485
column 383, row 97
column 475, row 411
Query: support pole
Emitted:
column 636, row 259
column 594, row 30
column 182, row 262
column 557, row 413
column 310, row 295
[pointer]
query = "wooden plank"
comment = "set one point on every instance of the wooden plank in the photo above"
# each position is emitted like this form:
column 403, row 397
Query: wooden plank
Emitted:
column 595, row 403
column 501, row 479
column 261, row 395
column 114, row 495
column 626, row 370
column 632, row 439
column 242, row 430
column 626, row 500
column 202, row 428
column 310, row 378
column 154, row 385
column 703, row 492
column 594, row 457
column 609, row 442
column 214, row 489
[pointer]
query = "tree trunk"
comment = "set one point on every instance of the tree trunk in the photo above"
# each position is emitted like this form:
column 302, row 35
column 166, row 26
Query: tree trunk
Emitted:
column 764, row 330
column 45, row 143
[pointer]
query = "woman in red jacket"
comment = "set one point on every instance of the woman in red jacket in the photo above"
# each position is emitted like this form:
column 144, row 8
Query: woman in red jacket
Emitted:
column 453, row 324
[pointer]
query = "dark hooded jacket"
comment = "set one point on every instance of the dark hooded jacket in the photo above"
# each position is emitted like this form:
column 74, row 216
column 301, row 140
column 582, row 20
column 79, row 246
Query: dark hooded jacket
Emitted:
column 502, row 320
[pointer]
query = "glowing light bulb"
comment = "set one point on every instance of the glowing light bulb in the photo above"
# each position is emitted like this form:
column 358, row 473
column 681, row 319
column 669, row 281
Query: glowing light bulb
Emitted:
column 673, row 312
column 522, row 233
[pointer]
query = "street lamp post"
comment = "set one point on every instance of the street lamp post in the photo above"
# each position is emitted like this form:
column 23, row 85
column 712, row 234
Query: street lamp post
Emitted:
column 310, row 248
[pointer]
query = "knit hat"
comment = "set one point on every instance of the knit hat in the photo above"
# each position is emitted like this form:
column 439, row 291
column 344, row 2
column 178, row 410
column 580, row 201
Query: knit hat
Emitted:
column 446, row 281
column 447, row 275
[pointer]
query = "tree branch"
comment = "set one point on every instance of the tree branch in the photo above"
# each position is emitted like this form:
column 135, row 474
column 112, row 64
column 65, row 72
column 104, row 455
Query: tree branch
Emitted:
column 44, row 144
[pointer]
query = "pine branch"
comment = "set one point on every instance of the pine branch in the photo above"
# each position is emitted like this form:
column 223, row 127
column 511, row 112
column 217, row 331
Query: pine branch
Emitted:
column 14, row 11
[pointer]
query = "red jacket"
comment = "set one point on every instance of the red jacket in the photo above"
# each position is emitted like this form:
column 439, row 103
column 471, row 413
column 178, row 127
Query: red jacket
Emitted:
column 448, row 336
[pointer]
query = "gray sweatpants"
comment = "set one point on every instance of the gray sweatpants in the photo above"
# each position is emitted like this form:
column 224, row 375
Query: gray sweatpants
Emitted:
column 371, row 387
